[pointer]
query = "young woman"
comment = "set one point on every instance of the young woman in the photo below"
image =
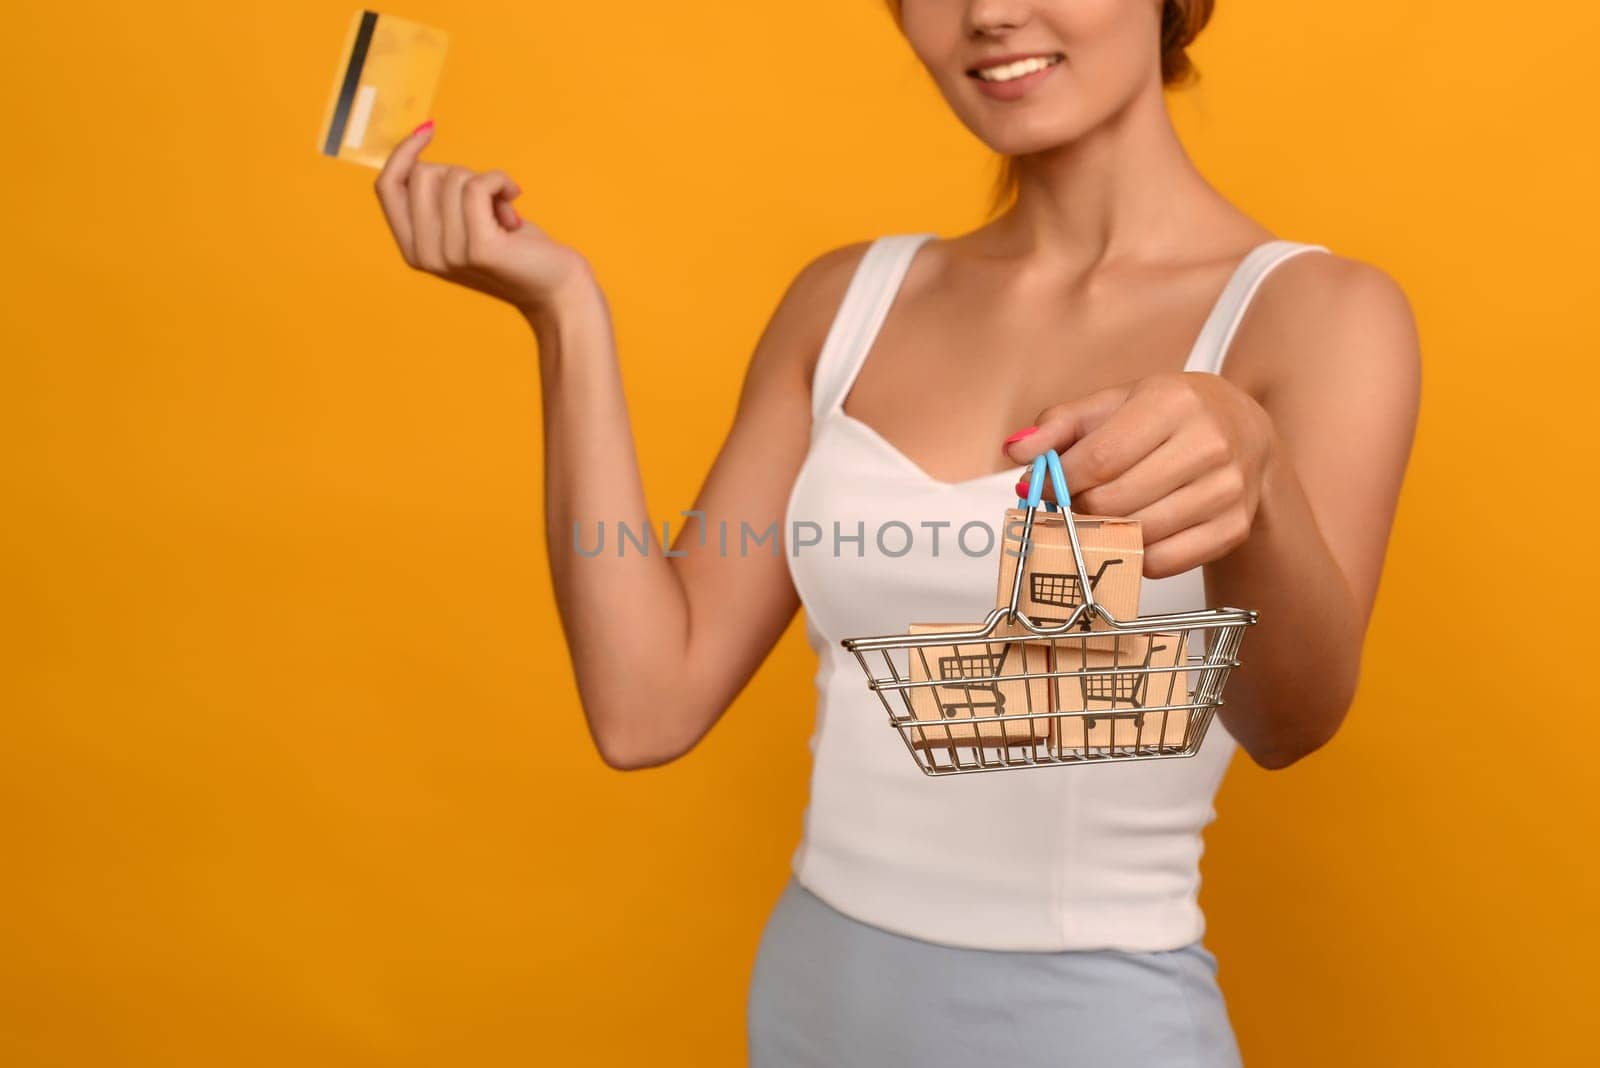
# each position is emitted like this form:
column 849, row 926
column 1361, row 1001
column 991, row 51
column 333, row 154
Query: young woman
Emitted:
column 1040, row 917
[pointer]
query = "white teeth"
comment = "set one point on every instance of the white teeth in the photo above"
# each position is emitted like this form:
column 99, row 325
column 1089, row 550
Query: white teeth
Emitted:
column 1017, row 69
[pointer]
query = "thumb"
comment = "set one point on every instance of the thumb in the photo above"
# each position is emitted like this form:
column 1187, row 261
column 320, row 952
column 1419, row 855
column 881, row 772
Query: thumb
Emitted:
column 504, row 212
column 1059, row 426
column 486, row 204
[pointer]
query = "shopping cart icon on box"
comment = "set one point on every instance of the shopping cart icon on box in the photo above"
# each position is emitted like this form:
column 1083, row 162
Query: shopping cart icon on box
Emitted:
column 1061, row 590
column 967, row 672
column 1119, row 688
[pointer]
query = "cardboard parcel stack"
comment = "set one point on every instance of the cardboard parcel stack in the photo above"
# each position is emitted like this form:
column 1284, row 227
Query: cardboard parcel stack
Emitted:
column 1052, row 589
column 966, row 705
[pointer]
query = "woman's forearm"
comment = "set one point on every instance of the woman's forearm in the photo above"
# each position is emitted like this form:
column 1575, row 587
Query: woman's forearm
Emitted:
column 623, row 610
column 1302, row 661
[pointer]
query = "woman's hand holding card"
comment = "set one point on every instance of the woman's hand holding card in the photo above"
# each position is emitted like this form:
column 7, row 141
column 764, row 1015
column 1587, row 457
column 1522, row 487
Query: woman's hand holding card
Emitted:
column 460, row 224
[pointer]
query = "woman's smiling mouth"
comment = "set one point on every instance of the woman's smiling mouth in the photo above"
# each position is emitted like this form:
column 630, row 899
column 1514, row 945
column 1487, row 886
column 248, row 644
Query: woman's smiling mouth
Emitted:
column 1009, row 77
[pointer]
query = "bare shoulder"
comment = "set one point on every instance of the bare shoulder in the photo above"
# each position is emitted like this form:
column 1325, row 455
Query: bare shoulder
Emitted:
column 832, row 269
column 794, row 335
column 1320, row 283
column 1319, row 318
column 818, row 289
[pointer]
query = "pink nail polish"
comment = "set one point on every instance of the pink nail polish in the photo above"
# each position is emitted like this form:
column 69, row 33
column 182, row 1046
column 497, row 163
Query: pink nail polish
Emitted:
column 425, row 126
column 1019, row 435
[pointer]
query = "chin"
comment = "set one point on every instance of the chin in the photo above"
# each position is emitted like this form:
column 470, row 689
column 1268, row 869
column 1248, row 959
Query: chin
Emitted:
column 1067, row 114
column 1028, row 142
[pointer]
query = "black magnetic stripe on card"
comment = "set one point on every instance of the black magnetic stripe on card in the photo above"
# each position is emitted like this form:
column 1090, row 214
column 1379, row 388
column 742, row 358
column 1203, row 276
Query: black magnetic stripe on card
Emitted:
column 352, row 79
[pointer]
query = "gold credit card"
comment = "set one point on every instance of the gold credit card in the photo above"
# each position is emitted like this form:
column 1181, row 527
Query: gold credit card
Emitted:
column 385, row 87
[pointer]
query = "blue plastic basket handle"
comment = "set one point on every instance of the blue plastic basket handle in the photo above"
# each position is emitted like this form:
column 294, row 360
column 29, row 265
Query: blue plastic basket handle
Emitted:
column 1058, row 479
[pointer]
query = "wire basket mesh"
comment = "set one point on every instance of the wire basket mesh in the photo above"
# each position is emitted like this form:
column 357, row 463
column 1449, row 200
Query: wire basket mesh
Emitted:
column 1016, row 691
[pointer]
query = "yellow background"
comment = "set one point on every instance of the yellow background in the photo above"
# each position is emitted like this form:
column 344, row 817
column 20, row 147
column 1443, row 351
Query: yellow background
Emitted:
column 293, row 772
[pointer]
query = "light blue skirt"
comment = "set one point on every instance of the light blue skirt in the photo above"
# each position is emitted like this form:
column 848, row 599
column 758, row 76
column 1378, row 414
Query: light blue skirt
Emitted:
column 830, row 991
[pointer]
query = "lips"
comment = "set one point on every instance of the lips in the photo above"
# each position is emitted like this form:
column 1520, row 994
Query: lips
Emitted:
column 992, row 62
column 1025, row 73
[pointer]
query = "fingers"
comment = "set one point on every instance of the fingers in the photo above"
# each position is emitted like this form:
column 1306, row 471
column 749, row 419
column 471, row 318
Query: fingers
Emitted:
column 1104, row 436
column 1023, row 483
column 1154, row 456
column 505, row 214
column 1098, row 437
column 452, row 226
column 1060, row 425
column 391, row 184
column 486, row 207
column 441, row 215
column 1109, row 450
column 1188, row 548
column 1214, row 493
column 1200, row 521
column 1174, row 463
column 422, row 198
column 504, row 210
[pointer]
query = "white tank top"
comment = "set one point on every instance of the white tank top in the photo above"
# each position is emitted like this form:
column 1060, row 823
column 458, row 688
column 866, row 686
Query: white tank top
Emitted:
column 1035, row 859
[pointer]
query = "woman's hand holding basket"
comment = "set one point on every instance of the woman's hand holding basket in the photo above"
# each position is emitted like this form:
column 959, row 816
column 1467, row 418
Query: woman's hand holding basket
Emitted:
column 1187, row 454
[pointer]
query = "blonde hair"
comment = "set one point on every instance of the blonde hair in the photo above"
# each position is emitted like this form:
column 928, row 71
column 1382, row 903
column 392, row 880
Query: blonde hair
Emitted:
column 1181, row 23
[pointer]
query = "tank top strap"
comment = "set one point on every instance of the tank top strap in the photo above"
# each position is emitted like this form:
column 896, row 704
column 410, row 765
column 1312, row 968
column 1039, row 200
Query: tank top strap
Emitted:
column 861, row 314
column 1211, row 345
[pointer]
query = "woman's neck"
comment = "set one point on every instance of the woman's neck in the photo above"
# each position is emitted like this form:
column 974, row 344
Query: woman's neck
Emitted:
column 1125, row 191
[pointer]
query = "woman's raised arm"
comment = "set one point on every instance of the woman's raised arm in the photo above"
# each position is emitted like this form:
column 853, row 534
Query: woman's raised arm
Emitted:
column 660, row 644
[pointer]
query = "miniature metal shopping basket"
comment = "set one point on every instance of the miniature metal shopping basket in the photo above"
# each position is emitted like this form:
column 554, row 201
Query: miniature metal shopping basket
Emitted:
column 1017, row 692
